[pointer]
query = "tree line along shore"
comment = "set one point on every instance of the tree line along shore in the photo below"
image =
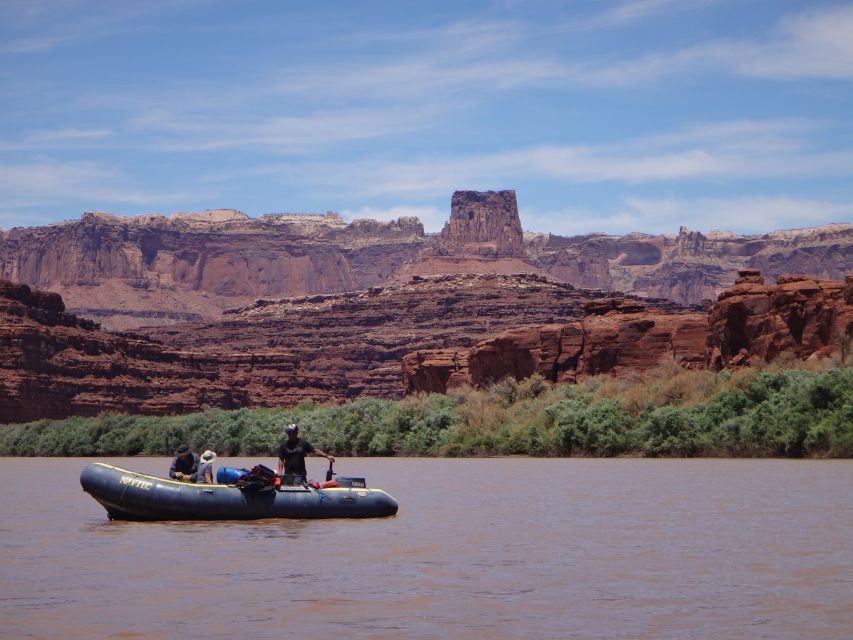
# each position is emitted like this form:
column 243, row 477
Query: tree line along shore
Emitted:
column 793, row 411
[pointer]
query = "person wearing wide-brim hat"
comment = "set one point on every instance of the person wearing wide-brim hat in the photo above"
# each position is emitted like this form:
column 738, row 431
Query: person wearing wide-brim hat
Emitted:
column 185, row 465
column 205, row 467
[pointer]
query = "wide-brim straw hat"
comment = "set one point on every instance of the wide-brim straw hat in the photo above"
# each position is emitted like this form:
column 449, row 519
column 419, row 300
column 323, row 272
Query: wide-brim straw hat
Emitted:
column 208, row 456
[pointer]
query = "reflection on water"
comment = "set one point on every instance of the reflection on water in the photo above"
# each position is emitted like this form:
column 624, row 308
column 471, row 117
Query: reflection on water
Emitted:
column 220, row 529
column 581, row 548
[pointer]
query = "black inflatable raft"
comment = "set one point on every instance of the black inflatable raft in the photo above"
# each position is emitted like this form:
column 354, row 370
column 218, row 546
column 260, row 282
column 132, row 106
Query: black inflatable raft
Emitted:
column 127, row 495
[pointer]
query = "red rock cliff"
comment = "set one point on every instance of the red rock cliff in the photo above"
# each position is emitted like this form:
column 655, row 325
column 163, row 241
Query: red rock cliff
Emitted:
column 447, row 330
column 357, row 339
column 615, row 336
column 801, row 316
column 53, row 364
column 132, row 272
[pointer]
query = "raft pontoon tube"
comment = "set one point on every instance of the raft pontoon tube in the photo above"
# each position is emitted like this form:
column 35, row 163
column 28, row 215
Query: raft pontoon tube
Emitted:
column 127, row 495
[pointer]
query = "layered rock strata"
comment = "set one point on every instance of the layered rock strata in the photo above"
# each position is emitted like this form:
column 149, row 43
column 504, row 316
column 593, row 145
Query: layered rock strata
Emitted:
column 132, row 272
column 483, row 224
column 802, row 316
column 54, row 364
column 129, row 272
column 616, row 336
column 691, row 267
column 483, row 235
column 752, row 322
column 358, row 339
column 446, row 331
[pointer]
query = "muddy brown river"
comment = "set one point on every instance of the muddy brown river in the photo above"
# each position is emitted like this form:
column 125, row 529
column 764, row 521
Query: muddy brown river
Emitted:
column 486, row 548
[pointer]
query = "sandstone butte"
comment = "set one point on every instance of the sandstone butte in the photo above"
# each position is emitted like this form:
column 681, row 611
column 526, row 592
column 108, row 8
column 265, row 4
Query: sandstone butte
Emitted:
column 151, row 270
column 446, row 331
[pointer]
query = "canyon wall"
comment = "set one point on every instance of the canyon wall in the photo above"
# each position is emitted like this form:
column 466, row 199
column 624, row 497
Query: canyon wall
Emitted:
column 691, row 267
column 325, row 347
column 54, row 364
column 801, row 317
column 152, row 270
column 752, row 323
column 132, row 272
column 359, row 338
column 441, row 332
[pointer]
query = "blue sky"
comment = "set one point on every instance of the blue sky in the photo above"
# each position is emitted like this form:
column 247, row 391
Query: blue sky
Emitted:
column 614, row 116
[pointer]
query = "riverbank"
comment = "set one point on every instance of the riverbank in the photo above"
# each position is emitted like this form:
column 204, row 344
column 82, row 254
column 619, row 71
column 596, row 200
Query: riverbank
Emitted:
column 749, row 413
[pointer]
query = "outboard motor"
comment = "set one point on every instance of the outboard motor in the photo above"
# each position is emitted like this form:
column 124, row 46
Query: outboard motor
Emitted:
column 330, row 482
column 341, row 481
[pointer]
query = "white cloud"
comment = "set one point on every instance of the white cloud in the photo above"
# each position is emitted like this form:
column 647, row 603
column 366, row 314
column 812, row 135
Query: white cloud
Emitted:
column 816, row 44
column 298, row 109
column 435, row 75
column 417, row 89
column 753, row 214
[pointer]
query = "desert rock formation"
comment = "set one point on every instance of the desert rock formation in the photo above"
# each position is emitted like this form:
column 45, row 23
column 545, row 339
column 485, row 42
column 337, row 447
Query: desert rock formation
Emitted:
column 445, row 330
column 800, row 316
column 691, row 267
column 150, row 270
column 615, row 336
column 54, row 364
column 153, row 270
column 483, row 224
column 359, row 338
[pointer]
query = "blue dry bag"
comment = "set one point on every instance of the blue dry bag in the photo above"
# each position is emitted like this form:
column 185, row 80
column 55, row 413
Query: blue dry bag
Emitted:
column 229, row 475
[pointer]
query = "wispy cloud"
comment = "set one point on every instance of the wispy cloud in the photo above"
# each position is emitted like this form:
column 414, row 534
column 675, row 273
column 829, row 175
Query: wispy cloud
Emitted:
column 48, row 182
column 734, row 151
column 437, row 63
column 632, row 11
column 284, row 134
column 817, row 44
column 61, row 138
column 40, row 27
column 296, row 109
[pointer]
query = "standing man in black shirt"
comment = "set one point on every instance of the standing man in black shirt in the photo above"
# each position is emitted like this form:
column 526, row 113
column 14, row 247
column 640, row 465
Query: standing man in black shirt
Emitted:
column 291, row 456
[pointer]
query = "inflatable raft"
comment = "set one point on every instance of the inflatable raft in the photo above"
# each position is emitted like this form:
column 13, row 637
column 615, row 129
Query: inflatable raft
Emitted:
column 127, row 495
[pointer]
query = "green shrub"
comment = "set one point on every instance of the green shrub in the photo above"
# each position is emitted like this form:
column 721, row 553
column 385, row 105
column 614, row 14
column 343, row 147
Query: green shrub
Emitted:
column 772, row 412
